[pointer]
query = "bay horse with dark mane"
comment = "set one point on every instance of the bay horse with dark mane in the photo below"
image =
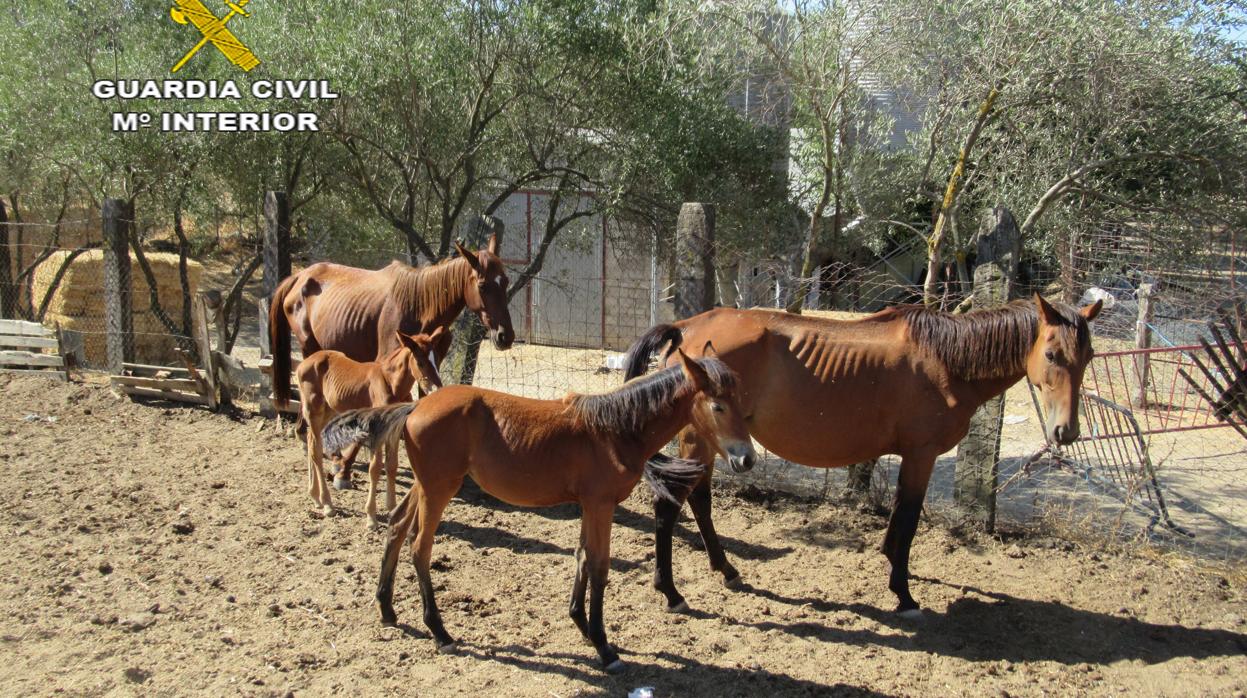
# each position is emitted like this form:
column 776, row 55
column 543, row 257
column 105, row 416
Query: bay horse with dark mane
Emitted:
column 589, row 449
column 358, row 312
column 904, row 381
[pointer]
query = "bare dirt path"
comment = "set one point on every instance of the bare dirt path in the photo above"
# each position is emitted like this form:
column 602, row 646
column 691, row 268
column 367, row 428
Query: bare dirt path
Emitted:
column 158, row 550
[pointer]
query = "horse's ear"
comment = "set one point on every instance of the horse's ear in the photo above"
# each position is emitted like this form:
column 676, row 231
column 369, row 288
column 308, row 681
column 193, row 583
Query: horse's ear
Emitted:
column 692, row 371
column 709, row 351
column 493, row 244
column 406, row 341
column 1091, row 311
column 1047, row 314
column 472, row 260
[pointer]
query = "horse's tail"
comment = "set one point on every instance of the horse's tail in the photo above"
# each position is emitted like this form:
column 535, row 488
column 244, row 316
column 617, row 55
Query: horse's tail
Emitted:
column 279, row 341
column 662, row 472
column 637, row 360
column 372, row 427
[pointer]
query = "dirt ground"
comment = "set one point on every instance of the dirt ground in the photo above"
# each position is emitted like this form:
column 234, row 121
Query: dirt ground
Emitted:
column 165, row 550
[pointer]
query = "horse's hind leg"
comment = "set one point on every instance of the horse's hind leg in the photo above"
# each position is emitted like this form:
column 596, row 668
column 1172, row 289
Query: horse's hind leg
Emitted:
column 911, row 489
column 402, row 518
column 595, row 527
column 432, row 504
column 317, row 487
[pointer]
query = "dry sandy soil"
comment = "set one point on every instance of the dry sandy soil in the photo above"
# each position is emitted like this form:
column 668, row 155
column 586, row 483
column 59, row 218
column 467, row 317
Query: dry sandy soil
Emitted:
column 165, row 550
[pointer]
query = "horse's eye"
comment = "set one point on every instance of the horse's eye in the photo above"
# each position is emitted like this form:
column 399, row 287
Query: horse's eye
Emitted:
column 1050, row 356
column 717, row 407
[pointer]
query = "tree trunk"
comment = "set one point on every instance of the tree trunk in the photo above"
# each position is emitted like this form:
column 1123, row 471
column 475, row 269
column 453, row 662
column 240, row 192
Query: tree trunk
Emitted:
column 974, row 480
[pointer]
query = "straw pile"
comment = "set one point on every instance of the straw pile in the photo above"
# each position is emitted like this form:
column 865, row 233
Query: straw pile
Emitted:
column 78, row 303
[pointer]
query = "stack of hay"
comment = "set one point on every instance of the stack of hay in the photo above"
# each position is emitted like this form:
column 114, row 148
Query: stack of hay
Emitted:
column 78, row 302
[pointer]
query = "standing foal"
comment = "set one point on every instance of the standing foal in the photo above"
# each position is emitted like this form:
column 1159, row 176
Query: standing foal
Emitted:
column 589, row 449
column 330, row 383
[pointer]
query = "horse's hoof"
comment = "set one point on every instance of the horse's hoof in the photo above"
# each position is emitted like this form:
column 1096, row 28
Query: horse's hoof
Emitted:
column 733, row 583
column 326, row 511
column 448, row 647
column 681, row 607
column 914, row 614
column 389, row 622
column 615, row 667
column 342, row 483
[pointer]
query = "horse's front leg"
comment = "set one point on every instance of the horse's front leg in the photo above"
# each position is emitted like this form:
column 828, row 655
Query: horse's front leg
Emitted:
column 374, row 474
column 595, row 527
column 391, row 474
column 911, row 490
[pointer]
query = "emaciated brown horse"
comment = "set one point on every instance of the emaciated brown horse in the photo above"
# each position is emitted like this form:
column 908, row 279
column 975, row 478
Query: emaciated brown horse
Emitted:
column 590, row 449
column 904, row 381
column 331, row 383
column 357, row 311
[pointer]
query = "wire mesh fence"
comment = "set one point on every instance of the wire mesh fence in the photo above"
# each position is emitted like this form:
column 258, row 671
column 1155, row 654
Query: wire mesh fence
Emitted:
column 601, row 287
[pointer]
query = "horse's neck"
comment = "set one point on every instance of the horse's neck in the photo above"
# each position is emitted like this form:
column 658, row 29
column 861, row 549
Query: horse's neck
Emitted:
column 665, row 423
column 435, row 294
column 983, row 389
column 398, row 380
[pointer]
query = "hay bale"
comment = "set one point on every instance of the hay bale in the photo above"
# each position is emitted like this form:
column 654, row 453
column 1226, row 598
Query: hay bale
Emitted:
column 78, row 302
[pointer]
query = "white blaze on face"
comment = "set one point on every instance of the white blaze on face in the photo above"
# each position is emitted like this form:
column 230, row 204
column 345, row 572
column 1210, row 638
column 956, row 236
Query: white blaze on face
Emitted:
column 498, row 280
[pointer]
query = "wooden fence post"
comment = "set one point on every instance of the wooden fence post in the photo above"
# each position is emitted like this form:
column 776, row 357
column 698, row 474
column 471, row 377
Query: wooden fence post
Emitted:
column 694, row 229
column 974, row 482
column 118, row 315
column 1143, row 340
column 203, row 340
column 276, row 240
column 8, row 290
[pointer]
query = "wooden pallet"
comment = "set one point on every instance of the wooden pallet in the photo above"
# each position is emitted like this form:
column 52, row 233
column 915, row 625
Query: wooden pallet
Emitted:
column 174, row 383
column 22, row 347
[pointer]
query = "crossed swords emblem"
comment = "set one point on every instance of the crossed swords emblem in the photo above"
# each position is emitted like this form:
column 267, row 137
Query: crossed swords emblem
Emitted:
column 214, row 30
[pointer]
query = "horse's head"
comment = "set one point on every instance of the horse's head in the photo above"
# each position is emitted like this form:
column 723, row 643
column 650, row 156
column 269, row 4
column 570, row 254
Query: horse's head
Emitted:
column 422, row 357
column 716, row 413
column 1056, row 364
column 486, row 293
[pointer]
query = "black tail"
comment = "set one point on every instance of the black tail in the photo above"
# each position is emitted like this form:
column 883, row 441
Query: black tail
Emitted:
column 663, row 472
column 279, row 342
column 371, row 427
column 637, row 361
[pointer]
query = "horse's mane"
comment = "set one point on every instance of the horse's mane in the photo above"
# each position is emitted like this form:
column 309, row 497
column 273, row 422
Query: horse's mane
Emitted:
column 431, row 288
column 990, row 343
column 629, row 408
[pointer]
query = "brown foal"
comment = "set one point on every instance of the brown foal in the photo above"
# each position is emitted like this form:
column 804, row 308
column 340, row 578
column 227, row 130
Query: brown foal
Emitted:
column 589, row 449
column 331, row 383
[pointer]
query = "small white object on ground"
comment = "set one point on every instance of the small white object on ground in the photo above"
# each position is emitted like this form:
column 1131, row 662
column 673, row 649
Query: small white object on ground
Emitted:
column 616, row 361
column 642, row 692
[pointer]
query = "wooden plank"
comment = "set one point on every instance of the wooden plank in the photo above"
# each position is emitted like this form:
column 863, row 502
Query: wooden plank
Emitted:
column 24, row 328
column 27, row 341
column 59, row 375
column 25, row 358
column 194, row 398
column 146, row 368
column 156, row 383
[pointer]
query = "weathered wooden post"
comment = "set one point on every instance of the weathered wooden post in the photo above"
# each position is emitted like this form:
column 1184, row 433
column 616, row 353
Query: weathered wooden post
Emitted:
column 1143, row 340
column 8, row 291
column 995, row 272
column 118, row 317
column 857, row 485
column 276, row 240
column 694, row 250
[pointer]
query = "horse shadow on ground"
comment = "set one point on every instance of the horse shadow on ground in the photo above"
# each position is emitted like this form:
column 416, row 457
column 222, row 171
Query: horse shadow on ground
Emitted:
column 472, row 494
column 688, row 676
column 986, row 626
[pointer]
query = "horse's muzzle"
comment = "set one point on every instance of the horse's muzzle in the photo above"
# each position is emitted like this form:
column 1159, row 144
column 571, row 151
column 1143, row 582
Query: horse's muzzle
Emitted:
column 1065, row 434
column 741, row 461
column 502, row 338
